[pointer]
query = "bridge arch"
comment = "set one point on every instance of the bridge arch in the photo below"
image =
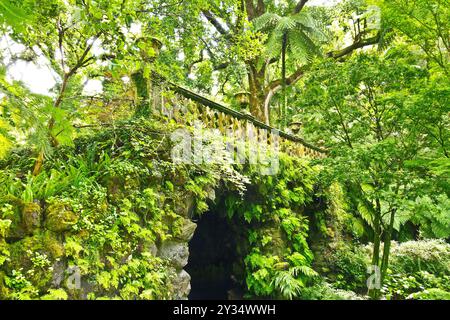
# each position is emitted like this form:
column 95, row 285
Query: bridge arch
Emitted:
column 216, row 256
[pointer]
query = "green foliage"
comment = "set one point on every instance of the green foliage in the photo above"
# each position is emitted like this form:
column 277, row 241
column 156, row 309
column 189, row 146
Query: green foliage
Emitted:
column 431, row 294
column 279, row 264
column 302, row 32
column 415, row 266
column 112, row 195
column 370, row 111
column 55, row 294
column 407, row 285
column 271, row 277
column 325, row 291
column 22, row 288
column 347, row 268
column 432, row 256
column 111, row 198
column 430, row 214
column 424, row 24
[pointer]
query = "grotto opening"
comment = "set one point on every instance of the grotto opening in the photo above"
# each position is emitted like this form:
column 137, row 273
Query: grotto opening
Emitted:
column 214, row 262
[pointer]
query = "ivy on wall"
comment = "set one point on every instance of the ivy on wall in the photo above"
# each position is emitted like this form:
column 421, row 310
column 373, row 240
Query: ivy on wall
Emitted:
column 102, row 206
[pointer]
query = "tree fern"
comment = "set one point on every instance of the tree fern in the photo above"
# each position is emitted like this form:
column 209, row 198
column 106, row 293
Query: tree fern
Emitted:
column 295, row 35
column 302, row 31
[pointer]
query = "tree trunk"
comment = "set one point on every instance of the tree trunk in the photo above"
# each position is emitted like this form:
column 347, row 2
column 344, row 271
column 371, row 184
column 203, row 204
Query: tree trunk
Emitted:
column 375, row 293
column 256, row 88
column 283, row 79
column 387, row 246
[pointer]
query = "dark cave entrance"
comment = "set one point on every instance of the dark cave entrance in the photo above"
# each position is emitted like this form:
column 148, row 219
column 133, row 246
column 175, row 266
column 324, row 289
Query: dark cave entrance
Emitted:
column 214, row 262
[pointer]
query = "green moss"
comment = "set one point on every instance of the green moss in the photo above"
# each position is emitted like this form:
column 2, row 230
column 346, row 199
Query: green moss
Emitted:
column 16, row 229
column 45, row 243
column 31, row 216
column 35, row 256
column 52, row 245
column 4, row 290
column 59, row 218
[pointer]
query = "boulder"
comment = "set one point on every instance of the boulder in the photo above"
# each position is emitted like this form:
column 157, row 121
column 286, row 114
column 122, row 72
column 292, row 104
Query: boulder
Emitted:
column 176, row 252
column 31, row 216
column 181, row 285
column 187, row 230
column 59, row 218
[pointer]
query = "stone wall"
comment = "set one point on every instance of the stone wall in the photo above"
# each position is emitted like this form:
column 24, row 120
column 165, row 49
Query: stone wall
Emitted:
column 176, row 251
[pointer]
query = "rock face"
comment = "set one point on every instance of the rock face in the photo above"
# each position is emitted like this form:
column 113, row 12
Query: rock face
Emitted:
column 175, row 252
column 181, row 285
column 187, row 230
column 31, row 216
column 59, row 218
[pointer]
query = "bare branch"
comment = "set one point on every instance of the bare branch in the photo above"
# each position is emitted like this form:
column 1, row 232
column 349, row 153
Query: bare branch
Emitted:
column 356, row 45
column 213, row 20
column 300, row 6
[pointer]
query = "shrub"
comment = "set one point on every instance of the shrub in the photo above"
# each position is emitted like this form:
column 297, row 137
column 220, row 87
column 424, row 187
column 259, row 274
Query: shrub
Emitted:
column 326, row 291
column 431, row 294
column 348, row 265
column 426, row 255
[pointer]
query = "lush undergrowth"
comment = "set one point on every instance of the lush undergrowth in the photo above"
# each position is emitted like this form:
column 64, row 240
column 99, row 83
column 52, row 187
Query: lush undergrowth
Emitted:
column 99, row 208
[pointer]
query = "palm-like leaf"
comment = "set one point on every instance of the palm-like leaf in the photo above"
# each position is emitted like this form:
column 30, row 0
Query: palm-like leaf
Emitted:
column 301, row 30
column 266, row 20
column 301, row 47
column 274, row 45
column 286, row 24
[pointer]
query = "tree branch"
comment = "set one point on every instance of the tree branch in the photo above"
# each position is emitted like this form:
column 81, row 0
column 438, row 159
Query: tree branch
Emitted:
column 276, row 85
column 294, row 77
column 300, row 6
column 213, row 20
column 357, row 45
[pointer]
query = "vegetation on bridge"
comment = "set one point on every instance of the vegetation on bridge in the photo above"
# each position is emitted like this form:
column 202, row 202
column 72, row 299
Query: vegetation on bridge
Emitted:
column 88, row 181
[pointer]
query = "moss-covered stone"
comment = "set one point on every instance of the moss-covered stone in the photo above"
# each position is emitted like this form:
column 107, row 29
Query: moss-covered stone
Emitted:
column 35, row 256
column 16, row 229
column 45, row 243
column 59, row 218
column 187, row 230
column 31, row 216
column 277, row 244
column 4, row 291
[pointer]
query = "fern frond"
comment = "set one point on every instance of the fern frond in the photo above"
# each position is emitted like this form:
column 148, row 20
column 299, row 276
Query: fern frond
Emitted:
column 288, row 286
column 302, row 47
column 266, row 20
column 273, row 46
column 285, row 24
column 303, row 270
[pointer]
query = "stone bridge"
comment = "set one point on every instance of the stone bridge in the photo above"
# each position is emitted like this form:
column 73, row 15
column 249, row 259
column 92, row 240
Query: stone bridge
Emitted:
column 185, row 107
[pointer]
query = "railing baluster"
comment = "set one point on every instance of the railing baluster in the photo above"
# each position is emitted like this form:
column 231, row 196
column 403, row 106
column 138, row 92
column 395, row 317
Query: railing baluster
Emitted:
column 216, row 116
